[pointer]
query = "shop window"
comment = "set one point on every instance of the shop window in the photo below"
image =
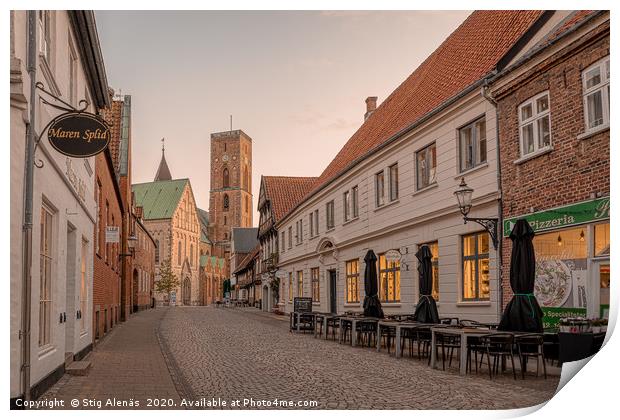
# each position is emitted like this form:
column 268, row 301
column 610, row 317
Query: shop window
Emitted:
column 316, row 286
column 389, row 280
column 353, row 279
column 476, row 266
column 561, row 268
column 434, row 248
column 290, row 287
column 535, row 124
column 300, row 284
column 601, row 239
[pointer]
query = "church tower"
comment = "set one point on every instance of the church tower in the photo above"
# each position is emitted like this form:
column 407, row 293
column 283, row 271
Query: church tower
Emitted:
column 230, row 201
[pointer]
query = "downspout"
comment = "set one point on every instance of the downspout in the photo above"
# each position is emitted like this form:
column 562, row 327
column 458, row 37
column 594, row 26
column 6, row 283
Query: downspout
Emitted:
column 484, row 91
column 28, row 205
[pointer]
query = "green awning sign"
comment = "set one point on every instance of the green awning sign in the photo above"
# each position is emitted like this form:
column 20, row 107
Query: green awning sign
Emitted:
column 561, row 217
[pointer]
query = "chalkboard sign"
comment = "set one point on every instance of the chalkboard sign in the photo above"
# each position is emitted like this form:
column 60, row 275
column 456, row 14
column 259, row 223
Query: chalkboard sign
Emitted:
column 302, row 304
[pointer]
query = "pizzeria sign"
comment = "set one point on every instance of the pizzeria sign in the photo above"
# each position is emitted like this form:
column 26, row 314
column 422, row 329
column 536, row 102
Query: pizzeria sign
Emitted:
column 561, row 217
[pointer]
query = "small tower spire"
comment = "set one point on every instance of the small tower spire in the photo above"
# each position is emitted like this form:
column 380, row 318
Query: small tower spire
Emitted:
column 163, row 172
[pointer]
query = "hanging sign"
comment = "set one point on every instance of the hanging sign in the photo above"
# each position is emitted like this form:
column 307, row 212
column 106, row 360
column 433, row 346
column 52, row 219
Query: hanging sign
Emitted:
column 112, row 235
column 281, row 274
column 393, row 255
column 78, row 134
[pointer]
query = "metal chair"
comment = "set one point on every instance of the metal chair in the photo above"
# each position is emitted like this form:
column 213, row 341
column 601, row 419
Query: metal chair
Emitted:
column 500, row 346
column 531, row 345
column 388, row 336
column 366, row 333
column 334, row 324
column 424, row 337
column 449, row 341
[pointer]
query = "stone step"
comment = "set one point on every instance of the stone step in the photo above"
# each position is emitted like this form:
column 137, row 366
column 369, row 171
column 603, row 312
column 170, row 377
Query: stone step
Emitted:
column 79, row 368
column 68, row 358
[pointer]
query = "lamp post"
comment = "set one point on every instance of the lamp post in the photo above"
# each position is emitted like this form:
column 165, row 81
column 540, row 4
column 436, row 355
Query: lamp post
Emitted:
column 463, row 196
column 132, row 240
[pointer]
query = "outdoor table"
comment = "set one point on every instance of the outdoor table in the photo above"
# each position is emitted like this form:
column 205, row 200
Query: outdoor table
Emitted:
column 464, row 333
column 297, row 316
column 354, row 320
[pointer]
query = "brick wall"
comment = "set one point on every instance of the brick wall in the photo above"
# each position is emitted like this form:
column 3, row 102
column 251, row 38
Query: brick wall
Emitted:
column 107, row 265
column 143, row 273
column 575, row 170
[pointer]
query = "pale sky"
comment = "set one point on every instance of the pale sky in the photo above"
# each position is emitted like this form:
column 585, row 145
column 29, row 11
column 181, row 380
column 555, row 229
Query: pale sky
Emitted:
column 294, row 81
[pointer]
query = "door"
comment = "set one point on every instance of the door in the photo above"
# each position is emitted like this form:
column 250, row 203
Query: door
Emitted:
column 70, row 310
column 187, row 292
column 332, row 292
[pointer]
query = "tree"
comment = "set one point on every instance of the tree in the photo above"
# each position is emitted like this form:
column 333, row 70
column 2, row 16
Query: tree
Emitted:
column 168, row 281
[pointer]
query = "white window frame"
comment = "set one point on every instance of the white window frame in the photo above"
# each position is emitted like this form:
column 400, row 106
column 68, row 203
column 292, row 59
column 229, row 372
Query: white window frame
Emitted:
column 393, row 189
column 432, row 176
column 603, row 64
column 380, row 189
column 475, row 145
column 534, row 120
column 316, row 222
column 46, row 286
column 329, row 215
column 346, row 205
column 355, row 202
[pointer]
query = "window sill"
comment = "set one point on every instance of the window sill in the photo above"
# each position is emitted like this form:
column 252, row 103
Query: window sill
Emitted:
column 470, row 170
column 352, row 305
column 536, row 154
column 46, row 350
column 428, row 187
column 330, row 229
column 316, row 303
column 391, row 304
column 391, row 203
column 474, row 303
column 355, row 219
column 591, row 132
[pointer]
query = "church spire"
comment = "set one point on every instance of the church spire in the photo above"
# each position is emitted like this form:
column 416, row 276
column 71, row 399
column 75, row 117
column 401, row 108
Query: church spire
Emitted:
column 163, row 172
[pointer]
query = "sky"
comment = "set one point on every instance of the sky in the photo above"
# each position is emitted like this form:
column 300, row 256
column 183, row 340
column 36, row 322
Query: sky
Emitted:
column 296, row 82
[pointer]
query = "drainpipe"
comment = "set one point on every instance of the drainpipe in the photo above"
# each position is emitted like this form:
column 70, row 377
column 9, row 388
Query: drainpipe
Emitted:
column 484, row 91
column 28, row 212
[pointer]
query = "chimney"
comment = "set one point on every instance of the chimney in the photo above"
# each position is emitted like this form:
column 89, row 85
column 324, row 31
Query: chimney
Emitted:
column 371, row 105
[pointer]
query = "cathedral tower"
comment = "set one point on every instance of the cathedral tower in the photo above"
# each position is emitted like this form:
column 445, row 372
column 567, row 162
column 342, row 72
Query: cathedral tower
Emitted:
column 230, row 201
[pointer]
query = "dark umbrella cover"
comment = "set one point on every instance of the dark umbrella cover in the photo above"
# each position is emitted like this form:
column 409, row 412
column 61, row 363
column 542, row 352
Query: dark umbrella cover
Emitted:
column 426, row 311
column 522, row 312
column 372, row 305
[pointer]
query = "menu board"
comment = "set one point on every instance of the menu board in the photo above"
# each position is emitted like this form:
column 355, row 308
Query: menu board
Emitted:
column 302, row 304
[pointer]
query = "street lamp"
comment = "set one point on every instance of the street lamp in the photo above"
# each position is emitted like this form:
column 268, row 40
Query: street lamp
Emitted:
column 463, row 196
column 132, row 240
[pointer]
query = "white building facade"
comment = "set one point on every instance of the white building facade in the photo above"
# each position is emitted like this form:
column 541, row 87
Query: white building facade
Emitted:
column 64, row 208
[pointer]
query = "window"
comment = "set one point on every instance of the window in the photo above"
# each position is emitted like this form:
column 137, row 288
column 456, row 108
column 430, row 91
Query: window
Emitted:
column 290, row 287
column 389, row 280
column 316, row 222
column 300, row 284
column 346, row 203
column 329, row 211
column 476, row 266
column 311, row 223
column 156, row 251
column 191, row 253
column 353, row 281
column 434, row 247
column 299, row 231
column 316, row 286
column 283, row 241
column 473, row 144
column 226, row 202
column 355, row 202
column 225, row 177
column 45, row 277
column 394, row 182
column 290, row 237
column 45, row 30
column 379, row 189
column 596, row 94
column 426, row 166
column 179, row 254
column 601, row 240
column 534, row 124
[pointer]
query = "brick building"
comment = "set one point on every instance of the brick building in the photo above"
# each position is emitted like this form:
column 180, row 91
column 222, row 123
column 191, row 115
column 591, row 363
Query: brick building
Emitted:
column 143, row 264
column 553, row 122
column 107, row 260
column 230, row 200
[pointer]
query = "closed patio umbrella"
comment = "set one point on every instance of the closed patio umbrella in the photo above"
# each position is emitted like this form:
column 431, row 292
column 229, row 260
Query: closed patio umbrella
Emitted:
column 426, row 311
column 522, row 312
column 372, row 305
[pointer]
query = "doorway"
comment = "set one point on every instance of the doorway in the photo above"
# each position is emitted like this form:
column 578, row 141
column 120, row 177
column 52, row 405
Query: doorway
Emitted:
column 601, row 283
column 187, row 292
column 333, row 308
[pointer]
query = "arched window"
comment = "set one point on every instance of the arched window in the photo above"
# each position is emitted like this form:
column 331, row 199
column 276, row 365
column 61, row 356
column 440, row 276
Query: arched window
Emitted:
column 179, row 254
column 191, row 254
column 156, row 251
column 225, row 178
column 226, row 202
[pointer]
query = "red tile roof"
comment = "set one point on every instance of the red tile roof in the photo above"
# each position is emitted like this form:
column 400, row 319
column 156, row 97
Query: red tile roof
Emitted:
column 572, row 20
column 465, row 57
column 284, row 192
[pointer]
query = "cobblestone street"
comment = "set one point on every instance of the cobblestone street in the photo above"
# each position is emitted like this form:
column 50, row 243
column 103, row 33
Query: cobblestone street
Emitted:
column 242, row 354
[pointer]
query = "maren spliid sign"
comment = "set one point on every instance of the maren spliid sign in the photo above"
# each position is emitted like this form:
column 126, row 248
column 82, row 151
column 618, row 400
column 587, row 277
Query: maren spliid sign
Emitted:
column 78, row 134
